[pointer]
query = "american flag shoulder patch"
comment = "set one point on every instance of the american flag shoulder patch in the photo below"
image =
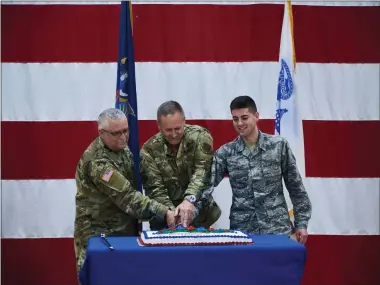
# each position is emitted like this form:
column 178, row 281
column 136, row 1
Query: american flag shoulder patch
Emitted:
column 107, row 175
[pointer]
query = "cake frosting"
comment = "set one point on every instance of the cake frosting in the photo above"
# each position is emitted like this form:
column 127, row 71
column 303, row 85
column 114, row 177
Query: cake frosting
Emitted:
column 193, row 236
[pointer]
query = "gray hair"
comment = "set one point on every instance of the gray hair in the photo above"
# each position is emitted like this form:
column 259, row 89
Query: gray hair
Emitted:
column 110, row 114
column 169, row 108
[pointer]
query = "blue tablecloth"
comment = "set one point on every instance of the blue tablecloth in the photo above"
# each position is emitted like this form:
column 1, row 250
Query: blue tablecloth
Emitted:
column 272, row 260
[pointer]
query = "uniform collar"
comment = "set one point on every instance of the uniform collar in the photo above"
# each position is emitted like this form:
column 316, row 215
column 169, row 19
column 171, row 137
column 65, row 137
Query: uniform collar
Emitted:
column 183, row 146
column 261, row 142
column 115, row 156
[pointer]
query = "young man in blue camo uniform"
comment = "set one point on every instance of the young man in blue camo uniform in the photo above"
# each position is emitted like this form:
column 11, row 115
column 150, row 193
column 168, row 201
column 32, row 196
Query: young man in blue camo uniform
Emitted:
column 256, row 164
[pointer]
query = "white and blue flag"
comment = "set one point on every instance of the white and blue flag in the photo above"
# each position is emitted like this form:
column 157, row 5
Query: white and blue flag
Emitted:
column 288, row 123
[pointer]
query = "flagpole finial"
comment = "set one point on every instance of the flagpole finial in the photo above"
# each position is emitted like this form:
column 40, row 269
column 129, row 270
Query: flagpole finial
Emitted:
column 131, row 15
column 290, row 14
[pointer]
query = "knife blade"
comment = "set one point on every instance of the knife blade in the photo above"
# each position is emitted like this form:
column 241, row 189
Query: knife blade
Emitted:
column 103, row 236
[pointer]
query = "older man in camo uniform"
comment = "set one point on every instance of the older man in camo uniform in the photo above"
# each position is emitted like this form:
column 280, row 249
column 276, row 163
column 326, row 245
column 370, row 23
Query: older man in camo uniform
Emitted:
column 256, row 163
column 176, row 168
column 107, row 200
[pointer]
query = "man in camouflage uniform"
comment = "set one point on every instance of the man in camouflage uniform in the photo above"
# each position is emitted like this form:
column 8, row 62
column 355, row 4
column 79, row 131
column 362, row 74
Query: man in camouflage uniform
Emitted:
column 256, row 163
column 176, row 167
column 107, row 200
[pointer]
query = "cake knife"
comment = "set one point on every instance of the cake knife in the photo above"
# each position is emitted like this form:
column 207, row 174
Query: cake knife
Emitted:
column 103, row 236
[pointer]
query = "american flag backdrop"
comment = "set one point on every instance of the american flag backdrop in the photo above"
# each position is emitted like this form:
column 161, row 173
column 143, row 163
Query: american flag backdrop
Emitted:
column 59, row 64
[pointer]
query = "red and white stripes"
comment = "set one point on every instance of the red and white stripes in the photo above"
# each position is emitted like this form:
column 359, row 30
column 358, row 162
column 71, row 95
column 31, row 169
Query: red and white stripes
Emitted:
column 59, row 72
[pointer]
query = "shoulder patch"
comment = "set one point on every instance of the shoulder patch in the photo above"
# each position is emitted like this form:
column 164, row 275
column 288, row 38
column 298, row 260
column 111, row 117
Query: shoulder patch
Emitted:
column 107, row 175
column 206, row 148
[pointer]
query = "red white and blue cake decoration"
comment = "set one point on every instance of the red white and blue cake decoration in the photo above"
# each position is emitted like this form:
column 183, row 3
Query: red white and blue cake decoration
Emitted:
column 193, row 236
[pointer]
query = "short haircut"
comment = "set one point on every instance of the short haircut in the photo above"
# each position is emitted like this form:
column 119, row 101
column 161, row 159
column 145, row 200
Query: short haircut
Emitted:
column 169, row 108
column 110, row 114
column 242, row 102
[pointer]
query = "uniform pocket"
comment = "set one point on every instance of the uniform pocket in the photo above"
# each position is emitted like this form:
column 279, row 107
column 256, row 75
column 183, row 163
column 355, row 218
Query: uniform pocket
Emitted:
column 238, row 170
column 271, row 168
column 239, row 220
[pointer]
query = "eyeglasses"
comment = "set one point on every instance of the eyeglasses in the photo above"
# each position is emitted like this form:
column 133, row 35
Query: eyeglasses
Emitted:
column 117, row 133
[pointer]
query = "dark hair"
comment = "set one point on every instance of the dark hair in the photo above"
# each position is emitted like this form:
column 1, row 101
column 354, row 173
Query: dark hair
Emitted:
column 169, row 108
column 242, row 102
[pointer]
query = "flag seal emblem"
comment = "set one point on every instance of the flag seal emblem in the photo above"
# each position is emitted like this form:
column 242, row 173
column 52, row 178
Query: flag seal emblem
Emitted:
column 284, row 92
column 285, row 82
column 121, row 93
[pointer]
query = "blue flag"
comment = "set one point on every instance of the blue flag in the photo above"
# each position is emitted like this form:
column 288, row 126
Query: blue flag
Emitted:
column 126, row 99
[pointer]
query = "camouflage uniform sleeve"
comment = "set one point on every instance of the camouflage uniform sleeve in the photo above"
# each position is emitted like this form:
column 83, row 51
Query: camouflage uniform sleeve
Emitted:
column 200, row 179
column 112, row 183
column 218, row 171
column 151, row 179
column 294, row 185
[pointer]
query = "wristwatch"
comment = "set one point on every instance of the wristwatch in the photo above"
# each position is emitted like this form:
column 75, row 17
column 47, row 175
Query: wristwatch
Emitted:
column 191, row 198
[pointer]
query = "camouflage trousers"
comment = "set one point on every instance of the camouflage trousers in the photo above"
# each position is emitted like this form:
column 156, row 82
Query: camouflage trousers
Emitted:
column 206, row 217
column 80, row 256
